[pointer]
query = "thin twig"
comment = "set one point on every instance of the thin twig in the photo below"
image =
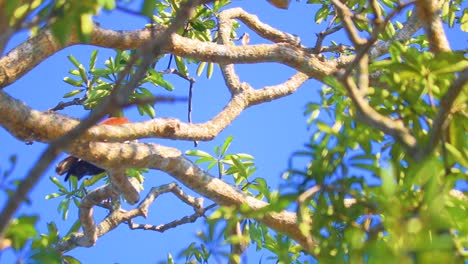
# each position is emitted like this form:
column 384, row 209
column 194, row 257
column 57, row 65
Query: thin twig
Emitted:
column 322, row 35
column 442, row 119
column 154, row 99
column 63, row 105
column 119, row 96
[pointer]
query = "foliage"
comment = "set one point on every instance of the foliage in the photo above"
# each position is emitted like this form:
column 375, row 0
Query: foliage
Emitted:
column 240, row 167
column 22, row 234
column 409, row 214
column 360, row 197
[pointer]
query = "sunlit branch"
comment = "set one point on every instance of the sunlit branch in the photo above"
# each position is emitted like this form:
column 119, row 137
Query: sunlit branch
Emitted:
column 428, row 13
column 443, row 116
column 91, row 232
column 118, row 96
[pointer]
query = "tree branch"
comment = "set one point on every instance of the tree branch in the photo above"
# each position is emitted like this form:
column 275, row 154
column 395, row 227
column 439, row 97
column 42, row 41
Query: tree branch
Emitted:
column 428, row 13
column 370, row 116
column 33, row 51
column 30, row 125
column 91, row 231
column 171, row 161
column 118, row 96
column 262, row 29
column 442, row 119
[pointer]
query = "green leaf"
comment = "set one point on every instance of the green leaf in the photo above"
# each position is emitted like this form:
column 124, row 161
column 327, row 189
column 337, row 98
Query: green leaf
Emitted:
column 61, row 29
column 245, row 156
column 73, row 60
column 86, row 24
column 458, row 156
column 47, row 256
column 450, row 66
column 240, row 166
column 211, row 165
column 107, row 4
column 101, row 72
column 83, row 74
column 457, row 131
column 52, row 195
column 170, row 259
column 226, row 145
column 464, row 20
column 198, row 153
column 63, row 207
column 92, row 180
column 321, row 14
column 181, row 67
column 205, row 159
column 200, row 68
column 53, row 232
column 210, row 24
column 209, row 70
column 73, row 93
column 147, row 109
column 70, row 260
column 324, row 127
column 261, row 186
column 157, row 79
column 388, row 183
column 92, row 59
column 146, row 92
column 147, row 8
column 95, row 95
column 74, row 72
column 58, row 184
column 198, row 25
column 21, row 230
column 74, row 228
column 73, row 82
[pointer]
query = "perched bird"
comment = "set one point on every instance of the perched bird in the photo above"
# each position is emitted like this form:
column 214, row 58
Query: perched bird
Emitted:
column 79, row 168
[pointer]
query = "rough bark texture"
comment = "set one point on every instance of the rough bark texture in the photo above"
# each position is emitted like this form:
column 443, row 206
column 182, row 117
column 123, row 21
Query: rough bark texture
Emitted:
column 102, row 144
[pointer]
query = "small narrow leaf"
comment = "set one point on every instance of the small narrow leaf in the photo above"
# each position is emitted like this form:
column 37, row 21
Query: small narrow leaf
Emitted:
column 200, row 68
column 181, row 67
column 92, row 60
column 209, row 70
column 73, row 60
column 226, row 145
column 73, row 93
column 198, row 153
column 73, row 82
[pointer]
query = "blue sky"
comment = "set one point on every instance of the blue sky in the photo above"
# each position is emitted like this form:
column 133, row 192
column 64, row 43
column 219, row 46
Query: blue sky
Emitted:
column 270, row 132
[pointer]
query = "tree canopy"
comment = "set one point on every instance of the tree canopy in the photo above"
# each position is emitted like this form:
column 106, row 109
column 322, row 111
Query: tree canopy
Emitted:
column 382, row 174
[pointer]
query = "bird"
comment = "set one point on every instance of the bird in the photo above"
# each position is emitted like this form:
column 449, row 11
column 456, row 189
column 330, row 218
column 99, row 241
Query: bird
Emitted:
column 77, row 167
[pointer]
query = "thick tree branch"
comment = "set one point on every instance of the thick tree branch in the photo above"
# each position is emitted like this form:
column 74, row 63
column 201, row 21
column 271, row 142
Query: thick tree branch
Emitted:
column 123, row 185
column 230, row 76
column 409, row 28
column 262, row 29
column 428, row 13
column 347, row 16
column 35, row 50
column 118, row 97
column 171, row 161
column 118, row 216
column 31, row 125
column 93, row 198
column 358, row 91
